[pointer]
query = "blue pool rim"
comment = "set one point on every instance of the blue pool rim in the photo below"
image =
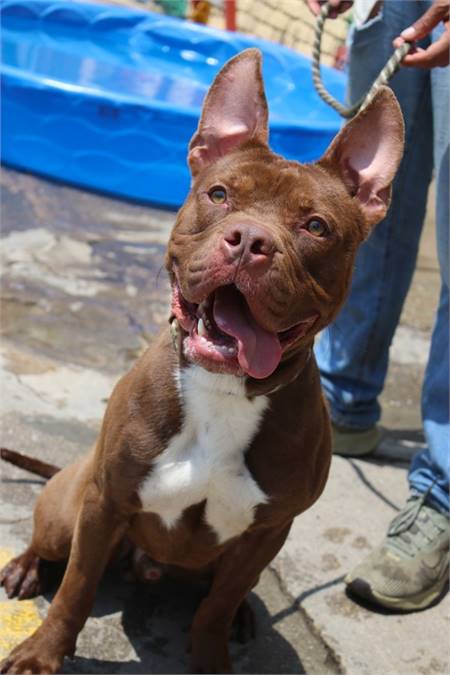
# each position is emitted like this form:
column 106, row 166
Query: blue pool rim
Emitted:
column 123, row 142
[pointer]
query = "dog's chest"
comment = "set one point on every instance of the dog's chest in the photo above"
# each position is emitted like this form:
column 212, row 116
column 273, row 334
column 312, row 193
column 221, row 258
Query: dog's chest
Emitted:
column 205, row 461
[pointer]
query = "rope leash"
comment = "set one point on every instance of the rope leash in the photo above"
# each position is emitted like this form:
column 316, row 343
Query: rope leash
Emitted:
column 385, row 75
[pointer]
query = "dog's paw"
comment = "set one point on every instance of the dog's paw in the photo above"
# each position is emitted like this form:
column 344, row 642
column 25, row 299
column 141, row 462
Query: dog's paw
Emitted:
column 31, row 657
column 20, row 577
column 244, row 625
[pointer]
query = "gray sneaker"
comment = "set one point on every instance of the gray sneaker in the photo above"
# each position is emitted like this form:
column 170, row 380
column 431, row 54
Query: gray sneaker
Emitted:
column 350, row 442
column 410, row 569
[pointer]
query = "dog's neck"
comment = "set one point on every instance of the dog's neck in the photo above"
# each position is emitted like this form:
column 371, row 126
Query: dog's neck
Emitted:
column 290, row 368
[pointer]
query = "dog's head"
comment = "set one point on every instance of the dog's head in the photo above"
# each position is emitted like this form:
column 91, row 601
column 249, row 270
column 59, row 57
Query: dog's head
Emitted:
column 261, row 254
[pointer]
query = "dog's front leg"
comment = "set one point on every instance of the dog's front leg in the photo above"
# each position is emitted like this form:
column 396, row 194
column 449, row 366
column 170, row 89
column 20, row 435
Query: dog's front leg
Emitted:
column 98, row 529
column 235, row 574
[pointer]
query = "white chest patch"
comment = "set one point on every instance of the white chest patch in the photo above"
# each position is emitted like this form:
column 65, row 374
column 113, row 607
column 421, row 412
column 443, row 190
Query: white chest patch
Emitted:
column 206, row 459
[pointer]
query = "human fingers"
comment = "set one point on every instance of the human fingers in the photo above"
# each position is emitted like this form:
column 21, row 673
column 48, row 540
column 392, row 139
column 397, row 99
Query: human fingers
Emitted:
column 436, row 55
column 438, row 12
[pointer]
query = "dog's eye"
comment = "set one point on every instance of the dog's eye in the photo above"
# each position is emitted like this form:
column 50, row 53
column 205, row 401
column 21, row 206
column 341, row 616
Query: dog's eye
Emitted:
column 218, row 195
column 316, row 227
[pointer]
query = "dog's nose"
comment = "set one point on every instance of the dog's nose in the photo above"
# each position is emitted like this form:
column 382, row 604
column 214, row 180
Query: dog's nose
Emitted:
column 251, row 245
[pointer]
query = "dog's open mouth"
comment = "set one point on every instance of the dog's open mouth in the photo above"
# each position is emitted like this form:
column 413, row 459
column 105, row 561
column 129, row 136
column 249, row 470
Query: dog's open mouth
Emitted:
column 223, row 332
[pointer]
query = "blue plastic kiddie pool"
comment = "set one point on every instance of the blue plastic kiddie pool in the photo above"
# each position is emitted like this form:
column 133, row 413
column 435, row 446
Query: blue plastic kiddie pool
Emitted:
column 108, row 98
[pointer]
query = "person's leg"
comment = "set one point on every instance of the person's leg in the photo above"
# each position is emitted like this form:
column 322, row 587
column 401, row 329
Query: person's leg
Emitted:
column 352, row 354
column 430, row 468
column 410, row 569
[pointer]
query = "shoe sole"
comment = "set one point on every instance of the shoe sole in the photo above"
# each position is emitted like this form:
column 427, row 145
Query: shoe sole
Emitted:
column 356, row 444
column 360, row 588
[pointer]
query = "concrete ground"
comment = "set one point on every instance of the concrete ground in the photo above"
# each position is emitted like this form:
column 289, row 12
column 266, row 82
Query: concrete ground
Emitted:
column 83, row 290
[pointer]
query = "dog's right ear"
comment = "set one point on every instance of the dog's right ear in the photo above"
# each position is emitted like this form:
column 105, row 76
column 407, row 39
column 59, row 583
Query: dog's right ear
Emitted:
column 367, row 153
column 234, row 112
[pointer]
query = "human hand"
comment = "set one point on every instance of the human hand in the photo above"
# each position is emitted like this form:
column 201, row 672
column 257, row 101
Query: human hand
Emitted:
column 336, row 6
column 437, row 54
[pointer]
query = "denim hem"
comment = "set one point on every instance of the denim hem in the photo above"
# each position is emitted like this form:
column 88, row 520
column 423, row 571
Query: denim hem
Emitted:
column 437, row 498
column 359, row 420
column 345, row 421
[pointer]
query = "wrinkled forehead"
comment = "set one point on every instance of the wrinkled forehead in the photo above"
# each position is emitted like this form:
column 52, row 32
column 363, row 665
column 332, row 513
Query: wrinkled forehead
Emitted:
column 261, row 178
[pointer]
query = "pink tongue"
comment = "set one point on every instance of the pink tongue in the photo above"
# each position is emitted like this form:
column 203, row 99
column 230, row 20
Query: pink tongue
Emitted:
column 259, row 352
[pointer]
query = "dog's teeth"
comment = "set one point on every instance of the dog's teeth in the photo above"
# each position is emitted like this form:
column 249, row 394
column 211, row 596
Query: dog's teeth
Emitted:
column 231, row 350
column 201, row 329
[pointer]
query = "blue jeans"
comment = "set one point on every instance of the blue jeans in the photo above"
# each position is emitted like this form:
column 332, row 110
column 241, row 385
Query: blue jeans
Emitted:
column 353, row 353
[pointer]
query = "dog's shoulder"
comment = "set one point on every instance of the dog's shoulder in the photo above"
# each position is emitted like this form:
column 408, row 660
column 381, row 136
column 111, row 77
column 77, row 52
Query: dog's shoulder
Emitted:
column 144, row 411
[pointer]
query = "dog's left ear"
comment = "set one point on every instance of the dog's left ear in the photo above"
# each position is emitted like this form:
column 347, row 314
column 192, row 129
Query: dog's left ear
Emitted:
column 367, row 152
column 234, row 111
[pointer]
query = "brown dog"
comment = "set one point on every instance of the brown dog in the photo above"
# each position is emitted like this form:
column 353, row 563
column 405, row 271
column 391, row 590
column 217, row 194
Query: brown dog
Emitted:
column 219, row 435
